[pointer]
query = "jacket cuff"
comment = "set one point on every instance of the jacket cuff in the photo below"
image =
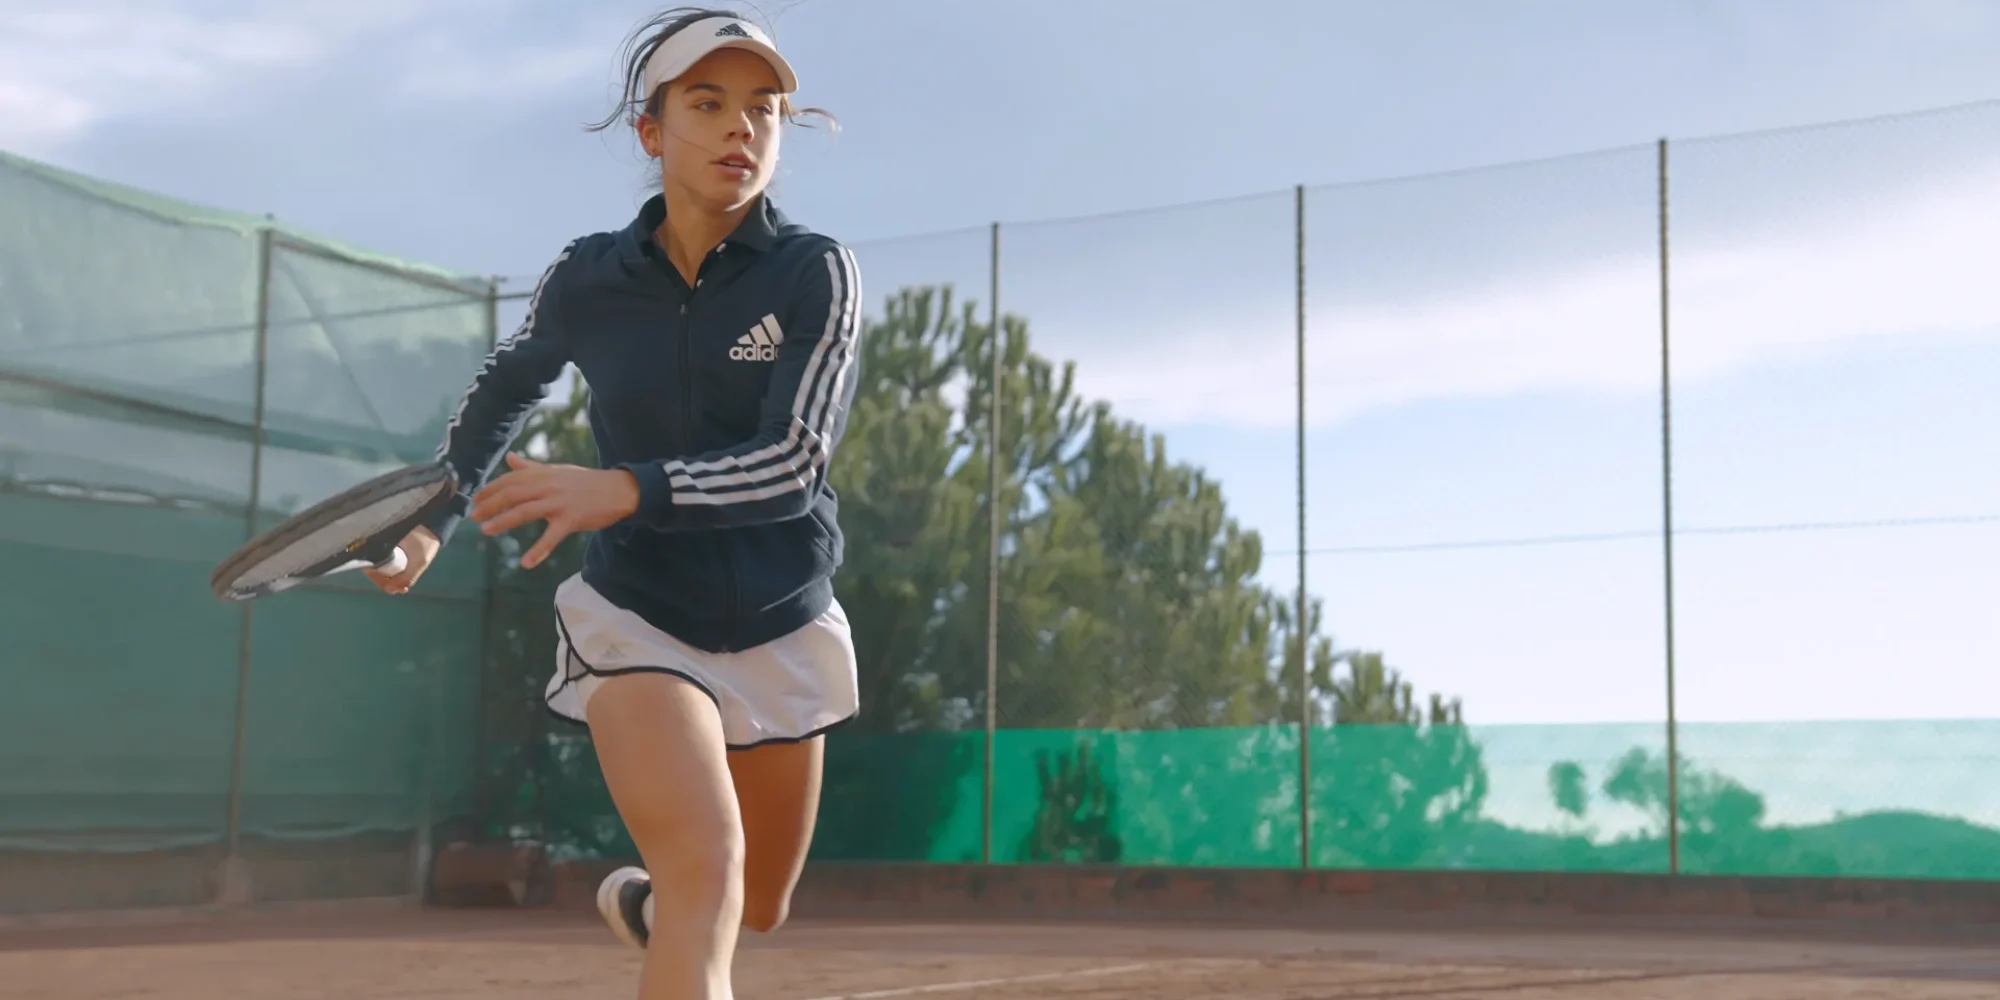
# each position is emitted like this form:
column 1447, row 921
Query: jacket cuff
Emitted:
column 656, row 494
column 448, row 516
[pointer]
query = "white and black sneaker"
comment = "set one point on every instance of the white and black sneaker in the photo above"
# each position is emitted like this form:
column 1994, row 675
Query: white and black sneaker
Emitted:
column 625, row 901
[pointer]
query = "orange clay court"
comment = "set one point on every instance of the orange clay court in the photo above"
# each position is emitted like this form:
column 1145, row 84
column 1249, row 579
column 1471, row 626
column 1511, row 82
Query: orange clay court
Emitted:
column 402, row 952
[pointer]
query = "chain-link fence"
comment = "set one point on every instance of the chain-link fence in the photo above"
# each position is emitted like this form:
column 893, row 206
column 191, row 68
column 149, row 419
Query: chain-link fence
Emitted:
column 1648, row 483
column 172, row 380
column 1626, row 512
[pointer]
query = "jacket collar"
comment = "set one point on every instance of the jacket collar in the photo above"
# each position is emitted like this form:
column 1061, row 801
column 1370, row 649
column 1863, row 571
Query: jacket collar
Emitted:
column 758, row 230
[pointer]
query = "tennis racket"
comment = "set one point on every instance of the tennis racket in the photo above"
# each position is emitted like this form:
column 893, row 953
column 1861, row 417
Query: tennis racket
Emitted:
column 359, row 527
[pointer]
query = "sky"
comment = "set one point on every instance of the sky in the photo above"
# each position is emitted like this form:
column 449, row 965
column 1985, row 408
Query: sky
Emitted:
column 1482, row 257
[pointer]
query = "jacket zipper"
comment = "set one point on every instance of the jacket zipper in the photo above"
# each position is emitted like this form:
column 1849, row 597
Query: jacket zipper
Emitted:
column 686, row 349
column 731, row 597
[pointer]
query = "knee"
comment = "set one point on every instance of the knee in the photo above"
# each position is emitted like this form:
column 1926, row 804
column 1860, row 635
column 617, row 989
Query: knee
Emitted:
column 691, row 864
column 765, row 915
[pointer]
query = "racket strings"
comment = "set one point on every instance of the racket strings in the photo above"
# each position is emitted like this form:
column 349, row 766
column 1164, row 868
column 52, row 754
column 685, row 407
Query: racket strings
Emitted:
column 312, row 547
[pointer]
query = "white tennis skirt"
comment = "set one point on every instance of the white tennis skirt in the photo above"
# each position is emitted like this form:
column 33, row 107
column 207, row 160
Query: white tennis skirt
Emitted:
column 792, row 688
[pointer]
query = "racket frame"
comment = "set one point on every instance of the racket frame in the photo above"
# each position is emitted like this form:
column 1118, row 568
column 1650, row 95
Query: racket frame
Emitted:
column 381, row 549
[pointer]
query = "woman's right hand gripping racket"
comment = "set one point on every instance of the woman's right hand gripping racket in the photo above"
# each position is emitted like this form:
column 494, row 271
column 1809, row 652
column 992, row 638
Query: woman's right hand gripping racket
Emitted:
column 363, row 528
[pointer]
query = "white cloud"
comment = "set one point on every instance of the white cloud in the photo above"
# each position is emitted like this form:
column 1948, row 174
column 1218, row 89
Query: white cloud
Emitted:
column 1914, row 264
column 441, row 69
column 67, row 70
column 74, row 66
column 29, row 109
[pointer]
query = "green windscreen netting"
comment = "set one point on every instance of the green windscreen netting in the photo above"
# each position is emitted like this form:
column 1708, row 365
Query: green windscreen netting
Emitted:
column 1768, row 799
column 130, row 367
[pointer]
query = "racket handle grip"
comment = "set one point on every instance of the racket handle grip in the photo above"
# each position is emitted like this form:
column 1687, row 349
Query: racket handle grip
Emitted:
column 396, row 563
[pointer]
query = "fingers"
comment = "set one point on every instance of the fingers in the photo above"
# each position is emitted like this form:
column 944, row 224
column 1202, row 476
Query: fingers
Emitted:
column 532, row 492
column 507, row 491
column 399, row 583
column 501, row 497
column 542, row 509
column 560, row 526
column 545, row 545
column 496, row 495
column 419, row 547
column 536, row 478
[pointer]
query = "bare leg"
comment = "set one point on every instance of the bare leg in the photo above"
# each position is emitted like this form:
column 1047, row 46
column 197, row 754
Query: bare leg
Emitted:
column 777, row 791
column 660, row 745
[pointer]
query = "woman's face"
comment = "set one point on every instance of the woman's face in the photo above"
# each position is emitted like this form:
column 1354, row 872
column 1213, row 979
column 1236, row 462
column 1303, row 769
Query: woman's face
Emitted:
column 716, row 134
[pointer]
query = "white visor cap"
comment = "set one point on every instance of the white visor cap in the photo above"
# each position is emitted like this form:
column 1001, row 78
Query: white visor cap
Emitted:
column 687, row 46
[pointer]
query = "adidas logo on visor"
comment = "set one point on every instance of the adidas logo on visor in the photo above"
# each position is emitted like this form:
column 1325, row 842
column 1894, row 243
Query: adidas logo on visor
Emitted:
column 731, row 30
column 760, row 344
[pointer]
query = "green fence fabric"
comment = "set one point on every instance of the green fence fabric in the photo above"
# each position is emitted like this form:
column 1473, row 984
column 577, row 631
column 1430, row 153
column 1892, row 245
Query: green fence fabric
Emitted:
column 138, row 335
column 1766, row 799
column 120, row 670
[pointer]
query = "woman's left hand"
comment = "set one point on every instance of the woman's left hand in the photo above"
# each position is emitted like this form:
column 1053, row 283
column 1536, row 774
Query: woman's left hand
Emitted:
column 570, row 498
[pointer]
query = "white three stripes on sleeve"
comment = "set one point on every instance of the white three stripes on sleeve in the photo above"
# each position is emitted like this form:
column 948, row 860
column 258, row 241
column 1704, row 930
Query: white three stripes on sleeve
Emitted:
column 795, row 462
column 508, row 343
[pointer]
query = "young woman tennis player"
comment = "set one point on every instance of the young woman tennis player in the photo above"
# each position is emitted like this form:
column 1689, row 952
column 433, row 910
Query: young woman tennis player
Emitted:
column 701, row 642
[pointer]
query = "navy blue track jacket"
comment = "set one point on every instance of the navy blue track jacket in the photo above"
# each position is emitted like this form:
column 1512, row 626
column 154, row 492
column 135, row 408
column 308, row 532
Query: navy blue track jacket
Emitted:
column 724, row 400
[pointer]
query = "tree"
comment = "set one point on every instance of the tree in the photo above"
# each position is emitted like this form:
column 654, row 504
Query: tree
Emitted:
column 1076, row 821
column 1129, row 599
column 1711, row 805
column 1129, row 593
column 1721, row 820
column 1568, row 788
column 1395, row 783
column 911, row 475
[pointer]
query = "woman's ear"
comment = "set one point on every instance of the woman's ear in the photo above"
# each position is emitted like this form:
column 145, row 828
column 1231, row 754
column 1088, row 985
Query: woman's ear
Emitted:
column 648, row 128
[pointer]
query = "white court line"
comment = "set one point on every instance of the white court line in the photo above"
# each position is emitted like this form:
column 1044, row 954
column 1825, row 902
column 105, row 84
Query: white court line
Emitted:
column 973, row 984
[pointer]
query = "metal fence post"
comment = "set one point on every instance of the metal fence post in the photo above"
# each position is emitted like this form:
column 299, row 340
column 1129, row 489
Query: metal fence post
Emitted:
column 425, row 745
column 489, row 582
column 1305, row 647
column 235, row 881
column 994, row 484
column 1667, row 532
